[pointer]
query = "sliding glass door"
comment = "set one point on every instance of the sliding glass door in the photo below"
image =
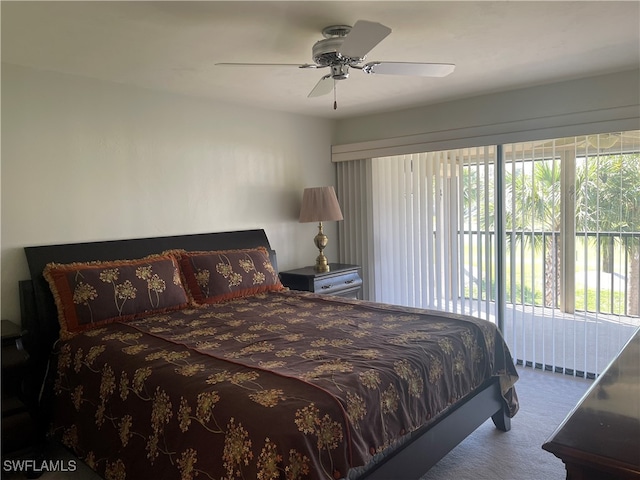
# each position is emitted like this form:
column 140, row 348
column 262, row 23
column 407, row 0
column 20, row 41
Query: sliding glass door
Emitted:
column 572, row 234
column 432, row 241
column 562, row 273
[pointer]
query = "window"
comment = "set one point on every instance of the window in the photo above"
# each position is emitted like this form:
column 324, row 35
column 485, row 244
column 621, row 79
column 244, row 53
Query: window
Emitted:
column 566, row 288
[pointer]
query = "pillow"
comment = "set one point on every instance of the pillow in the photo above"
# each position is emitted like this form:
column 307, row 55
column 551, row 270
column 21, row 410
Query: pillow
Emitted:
column 94, row 293
column 213, row 277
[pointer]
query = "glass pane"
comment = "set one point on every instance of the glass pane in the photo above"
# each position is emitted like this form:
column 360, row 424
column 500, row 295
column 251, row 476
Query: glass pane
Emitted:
column 573, row 234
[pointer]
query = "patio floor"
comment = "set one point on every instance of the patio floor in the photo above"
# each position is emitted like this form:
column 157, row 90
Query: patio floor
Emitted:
column 581, row 344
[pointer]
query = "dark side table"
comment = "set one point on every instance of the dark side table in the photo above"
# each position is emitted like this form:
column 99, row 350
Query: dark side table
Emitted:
column 18, row 427
column 342, row 279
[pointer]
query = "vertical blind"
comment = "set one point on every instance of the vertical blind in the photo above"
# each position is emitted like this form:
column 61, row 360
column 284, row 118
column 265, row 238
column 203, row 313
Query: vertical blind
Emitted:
column 573, row 240
column 420, row 221
column 354, row 191
column 424, row 227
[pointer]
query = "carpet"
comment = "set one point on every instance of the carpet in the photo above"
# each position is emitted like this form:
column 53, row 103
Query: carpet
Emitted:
column 489, row 454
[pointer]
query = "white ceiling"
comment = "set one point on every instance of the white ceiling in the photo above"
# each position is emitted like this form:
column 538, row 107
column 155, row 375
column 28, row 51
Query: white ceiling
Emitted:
column 173, row 46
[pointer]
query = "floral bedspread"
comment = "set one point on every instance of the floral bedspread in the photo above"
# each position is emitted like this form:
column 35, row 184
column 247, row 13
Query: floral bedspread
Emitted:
column 279, row 385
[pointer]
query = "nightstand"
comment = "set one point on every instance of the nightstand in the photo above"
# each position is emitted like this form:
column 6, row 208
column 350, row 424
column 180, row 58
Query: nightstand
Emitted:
column 342, row 279
column 18, row 427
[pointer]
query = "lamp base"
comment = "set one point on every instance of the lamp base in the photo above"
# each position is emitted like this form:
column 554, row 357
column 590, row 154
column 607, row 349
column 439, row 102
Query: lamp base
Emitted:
column 322, row 265
column 321, row 240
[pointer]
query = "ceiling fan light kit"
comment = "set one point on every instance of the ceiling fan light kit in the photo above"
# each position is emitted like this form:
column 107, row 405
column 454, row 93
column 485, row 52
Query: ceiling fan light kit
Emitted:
column 345, row 47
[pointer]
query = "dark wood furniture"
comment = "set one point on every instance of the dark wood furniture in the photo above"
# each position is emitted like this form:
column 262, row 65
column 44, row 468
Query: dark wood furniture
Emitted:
column 342, row 279
column 600, row 438
column 410, row 461
column 18, row 428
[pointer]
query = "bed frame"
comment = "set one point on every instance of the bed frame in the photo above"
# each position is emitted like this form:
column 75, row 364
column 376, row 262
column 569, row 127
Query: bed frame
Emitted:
column 39, row 319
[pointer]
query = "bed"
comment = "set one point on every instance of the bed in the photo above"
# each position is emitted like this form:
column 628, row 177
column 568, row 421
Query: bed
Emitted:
column 246, row 379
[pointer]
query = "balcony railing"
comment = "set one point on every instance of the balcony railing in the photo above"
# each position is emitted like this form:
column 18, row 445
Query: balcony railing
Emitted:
column 604, row 264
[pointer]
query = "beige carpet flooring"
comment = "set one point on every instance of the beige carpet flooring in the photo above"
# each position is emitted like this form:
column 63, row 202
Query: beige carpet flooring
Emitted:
column 487, row 454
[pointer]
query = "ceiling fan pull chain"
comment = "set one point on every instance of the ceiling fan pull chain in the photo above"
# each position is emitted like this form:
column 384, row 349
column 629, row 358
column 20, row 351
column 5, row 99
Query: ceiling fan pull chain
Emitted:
column 335, row 101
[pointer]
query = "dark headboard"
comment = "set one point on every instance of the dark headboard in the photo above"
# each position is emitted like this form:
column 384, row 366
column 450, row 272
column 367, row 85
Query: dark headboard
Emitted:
column 39, row 314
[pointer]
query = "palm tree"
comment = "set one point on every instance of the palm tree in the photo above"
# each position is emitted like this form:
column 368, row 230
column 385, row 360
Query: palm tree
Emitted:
column 607, row 199
column 537, row 207
column 610, row 187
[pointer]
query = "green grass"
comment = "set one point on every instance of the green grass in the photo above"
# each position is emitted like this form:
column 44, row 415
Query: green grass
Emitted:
column 591, row 299
column 528, row 265
column 605, row 301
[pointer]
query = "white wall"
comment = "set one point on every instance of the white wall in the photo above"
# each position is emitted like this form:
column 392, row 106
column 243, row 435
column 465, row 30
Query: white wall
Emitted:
column 84, row 160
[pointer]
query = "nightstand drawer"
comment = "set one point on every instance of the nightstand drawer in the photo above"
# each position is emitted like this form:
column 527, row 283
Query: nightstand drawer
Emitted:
column 342, row 279
column 329, row 285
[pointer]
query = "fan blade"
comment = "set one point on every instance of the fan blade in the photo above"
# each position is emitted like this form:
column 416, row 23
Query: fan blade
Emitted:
column 408, row 68
column 362, row 38
column 304, row 65
column 324, row 86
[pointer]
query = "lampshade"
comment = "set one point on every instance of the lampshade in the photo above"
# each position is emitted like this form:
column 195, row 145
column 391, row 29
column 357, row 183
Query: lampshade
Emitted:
column 320, row 204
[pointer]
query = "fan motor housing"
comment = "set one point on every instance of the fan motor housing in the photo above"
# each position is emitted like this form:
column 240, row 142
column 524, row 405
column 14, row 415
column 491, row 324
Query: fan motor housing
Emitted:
column 327, row 53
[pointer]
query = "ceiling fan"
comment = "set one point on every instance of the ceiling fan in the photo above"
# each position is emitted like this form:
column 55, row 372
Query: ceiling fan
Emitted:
column 345, row 47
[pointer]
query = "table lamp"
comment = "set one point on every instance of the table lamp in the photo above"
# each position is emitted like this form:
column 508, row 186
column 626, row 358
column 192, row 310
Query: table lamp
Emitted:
column 319, row 204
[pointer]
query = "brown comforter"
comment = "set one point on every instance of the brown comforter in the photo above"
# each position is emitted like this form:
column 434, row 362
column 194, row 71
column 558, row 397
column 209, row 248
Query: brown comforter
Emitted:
column 281, row 385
